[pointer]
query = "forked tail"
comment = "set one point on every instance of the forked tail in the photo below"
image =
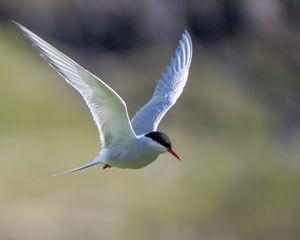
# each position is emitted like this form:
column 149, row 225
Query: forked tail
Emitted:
column 95, row 162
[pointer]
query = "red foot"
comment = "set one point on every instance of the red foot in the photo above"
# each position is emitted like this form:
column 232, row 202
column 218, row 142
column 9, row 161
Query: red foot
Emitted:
column 106, row 166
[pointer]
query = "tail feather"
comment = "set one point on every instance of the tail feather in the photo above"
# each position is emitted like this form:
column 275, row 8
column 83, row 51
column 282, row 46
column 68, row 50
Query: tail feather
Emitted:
column 78, row 169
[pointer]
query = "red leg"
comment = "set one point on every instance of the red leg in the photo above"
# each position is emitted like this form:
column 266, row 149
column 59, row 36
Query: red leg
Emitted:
column 106, row 166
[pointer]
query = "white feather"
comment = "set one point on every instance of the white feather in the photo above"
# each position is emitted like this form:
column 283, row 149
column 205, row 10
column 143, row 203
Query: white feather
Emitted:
column 107, row 107
column 168, row 89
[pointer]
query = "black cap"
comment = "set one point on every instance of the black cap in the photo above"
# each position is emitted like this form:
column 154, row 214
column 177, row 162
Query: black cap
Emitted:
column 161, row 138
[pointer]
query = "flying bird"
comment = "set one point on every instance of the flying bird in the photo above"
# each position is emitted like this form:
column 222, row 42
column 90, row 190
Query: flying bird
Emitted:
column 125, row 144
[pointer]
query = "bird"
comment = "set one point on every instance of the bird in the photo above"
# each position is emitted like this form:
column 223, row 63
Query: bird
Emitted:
column 125, row 144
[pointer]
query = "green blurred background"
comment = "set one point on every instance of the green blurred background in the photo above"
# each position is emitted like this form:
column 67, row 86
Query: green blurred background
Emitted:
column 236, row 124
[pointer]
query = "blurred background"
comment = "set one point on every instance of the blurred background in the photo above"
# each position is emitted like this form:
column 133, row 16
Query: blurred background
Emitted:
column 236, row 125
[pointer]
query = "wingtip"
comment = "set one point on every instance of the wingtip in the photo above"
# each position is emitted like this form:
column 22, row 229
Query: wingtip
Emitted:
column 186, row 32
column 21, row 27
column 186, row 36
column 18, row 25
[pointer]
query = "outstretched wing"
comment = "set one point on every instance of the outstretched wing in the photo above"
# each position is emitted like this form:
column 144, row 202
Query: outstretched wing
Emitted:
column 107, row 107
column 168, row 89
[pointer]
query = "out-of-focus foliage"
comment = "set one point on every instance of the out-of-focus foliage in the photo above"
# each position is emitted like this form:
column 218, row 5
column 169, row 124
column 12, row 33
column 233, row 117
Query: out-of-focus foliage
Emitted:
column 236, row 125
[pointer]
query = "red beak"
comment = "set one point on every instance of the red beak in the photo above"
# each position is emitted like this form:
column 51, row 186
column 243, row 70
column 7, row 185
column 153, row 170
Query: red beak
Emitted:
column 170, row 150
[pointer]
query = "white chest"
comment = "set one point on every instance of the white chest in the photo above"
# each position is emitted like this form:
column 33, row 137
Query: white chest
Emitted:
column 135, row 154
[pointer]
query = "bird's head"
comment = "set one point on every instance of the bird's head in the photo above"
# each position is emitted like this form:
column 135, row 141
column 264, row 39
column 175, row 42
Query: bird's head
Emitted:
column 163, row 142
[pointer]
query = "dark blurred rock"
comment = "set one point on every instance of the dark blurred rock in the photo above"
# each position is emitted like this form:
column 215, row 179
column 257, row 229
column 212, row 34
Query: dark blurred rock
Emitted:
column 120, row 25
column 262, row 34
column 212, row 21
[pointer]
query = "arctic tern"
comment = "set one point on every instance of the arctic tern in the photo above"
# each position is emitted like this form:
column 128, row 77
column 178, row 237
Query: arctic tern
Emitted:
column 125, row 144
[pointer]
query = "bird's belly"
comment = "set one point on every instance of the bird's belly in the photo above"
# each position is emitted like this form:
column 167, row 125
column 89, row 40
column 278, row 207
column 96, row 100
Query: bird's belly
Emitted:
column 133, row 160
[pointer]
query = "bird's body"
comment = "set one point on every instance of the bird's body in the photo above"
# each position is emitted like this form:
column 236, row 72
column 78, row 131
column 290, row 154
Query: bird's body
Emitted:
column 138, row 154
column 125, row 144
